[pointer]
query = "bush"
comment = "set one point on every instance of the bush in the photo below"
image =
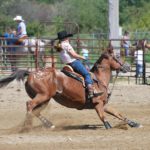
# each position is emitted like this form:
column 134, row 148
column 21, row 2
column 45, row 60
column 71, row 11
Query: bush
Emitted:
column 35, row 29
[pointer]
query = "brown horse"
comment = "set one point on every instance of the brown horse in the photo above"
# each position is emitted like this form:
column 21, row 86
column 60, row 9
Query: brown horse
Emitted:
column 49, row 83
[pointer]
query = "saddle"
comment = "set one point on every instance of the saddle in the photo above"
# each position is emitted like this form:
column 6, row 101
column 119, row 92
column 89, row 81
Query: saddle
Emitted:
column 68, row 70
column 21, row 40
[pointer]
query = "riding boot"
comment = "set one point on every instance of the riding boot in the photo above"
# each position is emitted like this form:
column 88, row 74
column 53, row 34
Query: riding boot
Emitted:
column 91, row 92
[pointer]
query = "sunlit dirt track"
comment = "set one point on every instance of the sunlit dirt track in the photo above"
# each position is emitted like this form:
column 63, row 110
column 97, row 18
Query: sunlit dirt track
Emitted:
column 80, row 130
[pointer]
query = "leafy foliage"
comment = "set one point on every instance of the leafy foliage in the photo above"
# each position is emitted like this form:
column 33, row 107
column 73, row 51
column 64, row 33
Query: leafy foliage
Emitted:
column 134, row 14
column 49, row 1
column 35, row 29
column 90, row 16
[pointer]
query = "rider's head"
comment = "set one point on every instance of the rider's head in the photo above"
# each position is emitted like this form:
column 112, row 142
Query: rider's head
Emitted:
column 63, row 35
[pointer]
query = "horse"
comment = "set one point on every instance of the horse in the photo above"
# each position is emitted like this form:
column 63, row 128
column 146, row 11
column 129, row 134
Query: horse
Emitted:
column 31, row 44
column 29, row 47
column 43, row 85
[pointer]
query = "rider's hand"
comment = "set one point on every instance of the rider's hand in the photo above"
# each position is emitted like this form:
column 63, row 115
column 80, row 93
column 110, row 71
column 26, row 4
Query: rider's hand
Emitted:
column 84, row 58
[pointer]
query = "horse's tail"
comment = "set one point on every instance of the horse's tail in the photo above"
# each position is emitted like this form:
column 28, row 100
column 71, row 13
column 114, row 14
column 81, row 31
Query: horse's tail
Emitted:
column 18, row 75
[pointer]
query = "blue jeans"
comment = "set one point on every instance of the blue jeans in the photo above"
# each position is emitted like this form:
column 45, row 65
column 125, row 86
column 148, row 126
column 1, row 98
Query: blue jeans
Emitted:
column 86, row 63
column 79, row 68
column 139, row 69
column 126, row 48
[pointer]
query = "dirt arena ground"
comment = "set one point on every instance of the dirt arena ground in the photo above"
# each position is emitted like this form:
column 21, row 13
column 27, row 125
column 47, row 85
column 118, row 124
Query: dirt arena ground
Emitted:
column 80, row 130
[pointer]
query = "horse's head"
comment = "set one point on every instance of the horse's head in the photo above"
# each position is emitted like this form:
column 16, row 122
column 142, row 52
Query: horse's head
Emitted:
column 108, row 61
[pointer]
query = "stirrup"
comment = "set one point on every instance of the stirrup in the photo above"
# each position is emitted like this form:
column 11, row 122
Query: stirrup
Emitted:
column 90, row 95
column 97, row 94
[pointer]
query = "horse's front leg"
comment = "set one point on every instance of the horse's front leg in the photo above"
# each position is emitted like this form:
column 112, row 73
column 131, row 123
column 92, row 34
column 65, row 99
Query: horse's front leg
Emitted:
column 99, row 107
column 110, row 110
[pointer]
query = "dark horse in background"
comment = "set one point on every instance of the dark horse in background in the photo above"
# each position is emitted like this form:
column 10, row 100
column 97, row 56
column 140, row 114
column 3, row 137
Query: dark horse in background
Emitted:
column 50, row 83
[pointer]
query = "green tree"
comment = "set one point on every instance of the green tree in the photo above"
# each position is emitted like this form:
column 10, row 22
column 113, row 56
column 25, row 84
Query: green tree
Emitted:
column 49, row 1
column 90, row 15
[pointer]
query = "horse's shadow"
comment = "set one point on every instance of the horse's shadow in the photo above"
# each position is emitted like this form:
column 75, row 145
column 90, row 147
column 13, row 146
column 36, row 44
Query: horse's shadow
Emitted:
column 83, row 127
column 23, row 129
column 122, row 126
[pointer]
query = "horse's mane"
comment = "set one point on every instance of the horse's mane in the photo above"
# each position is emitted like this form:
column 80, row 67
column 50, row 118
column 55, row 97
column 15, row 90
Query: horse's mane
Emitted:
column 105, row 55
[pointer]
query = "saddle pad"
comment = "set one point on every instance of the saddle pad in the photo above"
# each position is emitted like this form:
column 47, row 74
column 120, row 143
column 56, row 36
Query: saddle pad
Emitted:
column 68, row 70
column 72, row 75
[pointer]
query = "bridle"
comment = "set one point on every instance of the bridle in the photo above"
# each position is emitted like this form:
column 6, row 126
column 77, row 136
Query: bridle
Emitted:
column 123, row 67
column 117, row 72
column 113, row 57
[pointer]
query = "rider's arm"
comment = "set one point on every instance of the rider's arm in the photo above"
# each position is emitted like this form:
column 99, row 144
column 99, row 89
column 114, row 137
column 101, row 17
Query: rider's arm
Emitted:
column 75, row 55
column 67, row 47
column 19, row 30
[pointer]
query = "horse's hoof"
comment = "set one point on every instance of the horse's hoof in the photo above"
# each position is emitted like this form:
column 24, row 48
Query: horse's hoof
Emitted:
column 49, row 126
column 140, row 126
column 133, row 124
column 107, row 125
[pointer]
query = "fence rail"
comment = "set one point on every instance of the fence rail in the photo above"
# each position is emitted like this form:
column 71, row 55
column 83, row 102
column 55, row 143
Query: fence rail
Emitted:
column 11, row 60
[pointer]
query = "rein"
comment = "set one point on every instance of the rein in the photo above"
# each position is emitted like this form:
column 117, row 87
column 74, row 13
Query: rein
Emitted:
column 117, row 72
column 109, row 94
column 107, row 89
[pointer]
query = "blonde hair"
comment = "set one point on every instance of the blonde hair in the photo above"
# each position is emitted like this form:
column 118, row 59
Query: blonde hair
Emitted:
column 58, row 47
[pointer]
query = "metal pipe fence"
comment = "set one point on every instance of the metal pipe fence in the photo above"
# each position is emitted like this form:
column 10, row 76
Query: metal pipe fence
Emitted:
column 12, row 60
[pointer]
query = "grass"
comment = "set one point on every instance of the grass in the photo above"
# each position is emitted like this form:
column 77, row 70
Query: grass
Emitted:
column 147, row 57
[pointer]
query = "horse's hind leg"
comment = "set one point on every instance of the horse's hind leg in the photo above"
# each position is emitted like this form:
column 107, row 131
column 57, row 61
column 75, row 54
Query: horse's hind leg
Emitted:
column 36, row 105
column 27, row 122
column 37, row 112
column 118, row 115
column 38, row 100
column 46, row 123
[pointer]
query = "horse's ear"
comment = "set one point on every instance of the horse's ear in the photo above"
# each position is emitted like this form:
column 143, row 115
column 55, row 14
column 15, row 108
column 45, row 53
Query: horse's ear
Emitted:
column 105, row 54
column 110, row 48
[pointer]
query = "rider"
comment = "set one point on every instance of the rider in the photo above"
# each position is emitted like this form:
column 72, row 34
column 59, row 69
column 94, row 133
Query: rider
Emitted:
column 21, row 34
column 70, row 57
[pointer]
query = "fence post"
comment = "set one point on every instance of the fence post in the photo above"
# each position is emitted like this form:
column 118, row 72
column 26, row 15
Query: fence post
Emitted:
column 36, row 56
column 144, row 66
column 52, row 57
